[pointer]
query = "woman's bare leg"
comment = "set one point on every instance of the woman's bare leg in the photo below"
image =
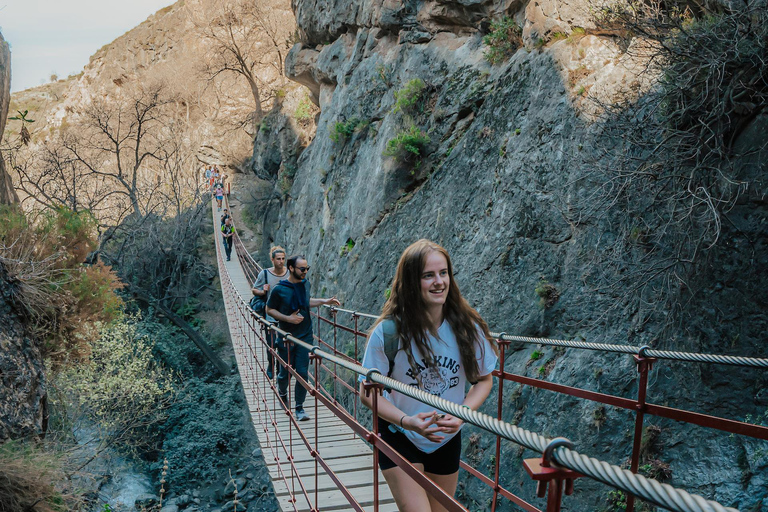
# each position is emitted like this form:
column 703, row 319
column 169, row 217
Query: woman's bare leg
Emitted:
column 446, row 483
column 409, row 496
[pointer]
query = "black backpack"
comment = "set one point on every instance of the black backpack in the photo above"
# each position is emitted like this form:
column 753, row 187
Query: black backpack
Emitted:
column 258, row 304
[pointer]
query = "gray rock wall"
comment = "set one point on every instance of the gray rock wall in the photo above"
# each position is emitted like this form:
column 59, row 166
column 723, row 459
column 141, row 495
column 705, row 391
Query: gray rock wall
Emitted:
column 22, row 377
column 508, row 184
column 7, row 192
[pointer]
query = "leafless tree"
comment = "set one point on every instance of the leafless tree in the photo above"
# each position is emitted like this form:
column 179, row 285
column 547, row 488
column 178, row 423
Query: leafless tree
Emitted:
column 248, row 39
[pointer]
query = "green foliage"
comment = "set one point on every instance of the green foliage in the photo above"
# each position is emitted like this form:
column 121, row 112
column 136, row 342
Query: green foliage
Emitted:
column 348, row 246
column 617, row 500
column 407, row 97
column 407, row 145
column 503, row 40
column 343, row 130
column 548, row 294
column 536, row 355
column 304, row 111
column 387, row 293
column 542, row 371
column 120, row 387
column 205, row 431
column 60, row 295
column 22, row 117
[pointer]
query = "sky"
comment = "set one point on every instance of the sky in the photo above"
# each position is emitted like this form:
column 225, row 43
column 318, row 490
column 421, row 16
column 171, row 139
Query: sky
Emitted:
column 59, row 36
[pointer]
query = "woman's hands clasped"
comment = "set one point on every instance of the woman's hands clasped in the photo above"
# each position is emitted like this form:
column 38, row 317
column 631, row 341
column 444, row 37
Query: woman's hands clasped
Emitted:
column 432, row 424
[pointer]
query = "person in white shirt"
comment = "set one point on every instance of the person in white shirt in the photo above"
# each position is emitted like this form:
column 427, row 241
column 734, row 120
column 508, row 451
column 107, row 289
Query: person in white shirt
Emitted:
column 443, row 344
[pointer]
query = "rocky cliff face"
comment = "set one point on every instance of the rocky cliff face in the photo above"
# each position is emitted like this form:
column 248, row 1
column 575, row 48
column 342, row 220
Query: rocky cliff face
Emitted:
column 509, row 183
column 7, row 193
column 23, row 390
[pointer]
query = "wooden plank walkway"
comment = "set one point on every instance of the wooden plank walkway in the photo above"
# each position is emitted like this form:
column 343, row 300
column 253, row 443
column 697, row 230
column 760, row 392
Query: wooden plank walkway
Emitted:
column 349, row 457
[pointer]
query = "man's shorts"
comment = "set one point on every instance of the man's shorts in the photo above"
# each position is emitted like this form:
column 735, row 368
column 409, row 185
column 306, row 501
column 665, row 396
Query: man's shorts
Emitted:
column 443, row 461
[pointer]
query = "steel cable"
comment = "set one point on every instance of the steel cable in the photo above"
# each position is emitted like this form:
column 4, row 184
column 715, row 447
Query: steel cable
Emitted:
column 691, row 357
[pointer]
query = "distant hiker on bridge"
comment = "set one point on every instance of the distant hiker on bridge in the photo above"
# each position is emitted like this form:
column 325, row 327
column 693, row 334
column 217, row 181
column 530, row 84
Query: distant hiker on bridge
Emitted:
column 219, row 193
column 289, row 304
column 427, row 336
column 225, row 216
column 262, row 289
column 228, row 232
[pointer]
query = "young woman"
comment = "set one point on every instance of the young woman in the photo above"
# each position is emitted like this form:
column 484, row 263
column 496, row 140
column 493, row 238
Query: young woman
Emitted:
column 443, row 345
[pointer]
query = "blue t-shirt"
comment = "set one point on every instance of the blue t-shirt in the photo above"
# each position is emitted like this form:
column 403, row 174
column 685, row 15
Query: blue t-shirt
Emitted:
column 280, row 299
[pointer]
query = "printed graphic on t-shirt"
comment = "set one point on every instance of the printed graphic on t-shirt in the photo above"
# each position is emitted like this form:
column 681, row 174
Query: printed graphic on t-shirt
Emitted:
column 438, row 379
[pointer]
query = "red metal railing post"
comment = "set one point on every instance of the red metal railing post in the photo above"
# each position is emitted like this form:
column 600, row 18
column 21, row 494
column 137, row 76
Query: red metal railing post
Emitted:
column 644, row 364
column 552, row 481
column 373, row 390
column 313, row 453
column 335, row 353
column 503, row 344
column 356, row 399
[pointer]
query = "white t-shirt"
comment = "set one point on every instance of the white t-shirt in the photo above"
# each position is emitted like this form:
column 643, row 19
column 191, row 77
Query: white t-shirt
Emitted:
column 448, row 380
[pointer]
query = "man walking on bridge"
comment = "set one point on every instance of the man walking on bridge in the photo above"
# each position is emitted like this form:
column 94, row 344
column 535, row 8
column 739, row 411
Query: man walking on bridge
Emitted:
column 267, row 280
column 289, row 304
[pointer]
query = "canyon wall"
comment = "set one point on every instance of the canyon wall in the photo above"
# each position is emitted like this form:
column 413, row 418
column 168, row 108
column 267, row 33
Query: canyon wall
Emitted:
column 513, row 182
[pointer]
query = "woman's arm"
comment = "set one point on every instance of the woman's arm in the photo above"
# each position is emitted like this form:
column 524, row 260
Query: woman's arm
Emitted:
column 421, row 423
column 474, row 399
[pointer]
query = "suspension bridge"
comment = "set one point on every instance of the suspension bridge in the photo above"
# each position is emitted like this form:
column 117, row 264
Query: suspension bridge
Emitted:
column 331, row 462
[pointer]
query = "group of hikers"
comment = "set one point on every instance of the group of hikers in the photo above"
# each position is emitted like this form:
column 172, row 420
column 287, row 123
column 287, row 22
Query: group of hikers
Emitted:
column 214, row 180
column 427, row 336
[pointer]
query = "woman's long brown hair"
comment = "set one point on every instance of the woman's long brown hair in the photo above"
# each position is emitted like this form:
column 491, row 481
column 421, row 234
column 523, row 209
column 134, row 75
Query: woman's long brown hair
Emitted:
column 407, row 308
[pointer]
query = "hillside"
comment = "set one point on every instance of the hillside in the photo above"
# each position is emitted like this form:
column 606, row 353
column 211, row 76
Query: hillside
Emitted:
column 172, row 48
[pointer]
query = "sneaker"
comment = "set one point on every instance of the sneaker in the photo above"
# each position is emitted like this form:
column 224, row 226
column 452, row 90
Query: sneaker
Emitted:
column 228, row 259
column 301, row 415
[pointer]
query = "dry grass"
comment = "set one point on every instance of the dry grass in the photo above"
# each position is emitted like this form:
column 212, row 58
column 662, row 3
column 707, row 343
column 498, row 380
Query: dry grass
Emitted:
column 27, row 477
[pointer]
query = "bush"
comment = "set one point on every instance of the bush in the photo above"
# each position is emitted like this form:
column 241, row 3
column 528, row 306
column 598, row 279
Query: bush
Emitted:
column 342, row 131
column 60, row 295
column 548, row 294
column 305, row 110
column 503, row 40
column 407, row 97
column 407, row 145
column 120, row 387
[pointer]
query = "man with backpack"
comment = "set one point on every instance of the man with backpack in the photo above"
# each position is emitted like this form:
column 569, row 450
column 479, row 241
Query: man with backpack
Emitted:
column 262, row 288
column 289, row 304
column 228, row 232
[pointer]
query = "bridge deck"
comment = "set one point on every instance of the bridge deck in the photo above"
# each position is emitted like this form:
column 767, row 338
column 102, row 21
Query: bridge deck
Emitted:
column 348, row 456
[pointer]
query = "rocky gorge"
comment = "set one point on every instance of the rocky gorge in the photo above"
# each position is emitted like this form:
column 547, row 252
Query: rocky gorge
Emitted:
column 537, row 168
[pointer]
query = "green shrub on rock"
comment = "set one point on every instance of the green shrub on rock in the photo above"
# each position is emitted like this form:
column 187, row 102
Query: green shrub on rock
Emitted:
column 407, row 144
column 343, row 130
column 503, row 40
column 407, row 97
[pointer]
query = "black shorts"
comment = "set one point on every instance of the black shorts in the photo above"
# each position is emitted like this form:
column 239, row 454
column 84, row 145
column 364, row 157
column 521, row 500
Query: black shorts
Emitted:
column 443, row 461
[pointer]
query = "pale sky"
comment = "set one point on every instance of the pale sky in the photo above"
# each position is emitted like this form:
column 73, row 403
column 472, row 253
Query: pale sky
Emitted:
column 59, row 36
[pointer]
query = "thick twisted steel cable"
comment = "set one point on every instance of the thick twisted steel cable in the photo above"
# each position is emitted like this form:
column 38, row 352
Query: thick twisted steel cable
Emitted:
column 691, row 357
